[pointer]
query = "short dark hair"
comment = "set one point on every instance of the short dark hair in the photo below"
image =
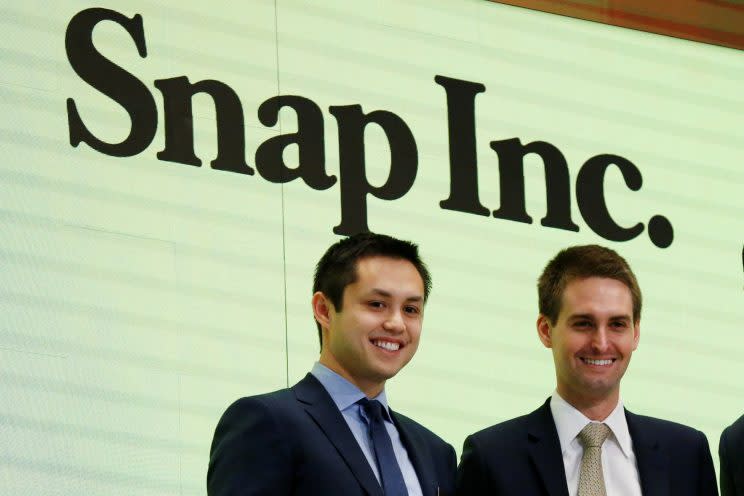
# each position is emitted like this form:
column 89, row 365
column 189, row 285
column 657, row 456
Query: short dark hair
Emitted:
column 337, row 268
column 580, row 262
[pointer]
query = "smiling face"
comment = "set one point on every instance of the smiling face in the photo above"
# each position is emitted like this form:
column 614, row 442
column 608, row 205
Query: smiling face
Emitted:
column 377, row 331
column 592, row 340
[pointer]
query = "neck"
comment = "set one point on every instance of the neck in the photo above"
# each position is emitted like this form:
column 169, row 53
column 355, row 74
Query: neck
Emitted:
column 596, row 408
column 371, row 389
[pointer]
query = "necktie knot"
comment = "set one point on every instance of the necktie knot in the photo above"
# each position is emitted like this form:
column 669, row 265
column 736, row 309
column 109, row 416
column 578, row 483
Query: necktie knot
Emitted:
column 593, row 435
column 374, row 409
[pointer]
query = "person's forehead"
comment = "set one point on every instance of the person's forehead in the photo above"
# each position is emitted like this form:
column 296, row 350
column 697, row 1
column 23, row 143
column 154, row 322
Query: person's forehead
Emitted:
column 383, row 268
column 378, row 262
column 596, row 291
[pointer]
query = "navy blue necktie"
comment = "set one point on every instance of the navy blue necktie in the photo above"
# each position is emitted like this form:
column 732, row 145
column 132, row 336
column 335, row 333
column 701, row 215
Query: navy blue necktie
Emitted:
column 390, row 474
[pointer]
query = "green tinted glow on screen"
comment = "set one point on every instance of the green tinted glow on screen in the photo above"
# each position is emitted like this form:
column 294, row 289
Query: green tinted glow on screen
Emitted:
column 140, row 297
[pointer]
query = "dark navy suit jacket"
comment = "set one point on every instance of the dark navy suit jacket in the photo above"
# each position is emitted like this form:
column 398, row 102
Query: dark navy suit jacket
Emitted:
column 296, row 442
column 522, row 457
column 731, row 453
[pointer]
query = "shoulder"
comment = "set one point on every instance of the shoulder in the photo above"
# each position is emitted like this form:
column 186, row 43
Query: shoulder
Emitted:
column 266, row 403
column 254, row 413
column 281, row 402
column 494, row 457
column 670, row 432
column 253, row 446
column 273, row 398
column 660, row 425
column 735, row 432
column 505, row 433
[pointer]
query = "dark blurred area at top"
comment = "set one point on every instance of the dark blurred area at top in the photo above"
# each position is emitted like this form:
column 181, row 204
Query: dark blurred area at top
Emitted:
column 718, row 22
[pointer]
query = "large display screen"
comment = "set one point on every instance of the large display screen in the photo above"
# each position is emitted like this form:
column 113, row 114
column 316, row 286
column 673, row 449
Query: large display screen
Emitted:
column 171, row 173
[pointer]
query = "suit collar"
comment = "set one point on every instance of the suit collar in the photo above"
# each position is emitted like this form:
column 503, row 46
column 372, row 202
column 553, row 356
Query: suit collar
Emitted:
column 569, row 421
column 319, row 405
column 342, row 391
column 653, row 461
column 545, row 449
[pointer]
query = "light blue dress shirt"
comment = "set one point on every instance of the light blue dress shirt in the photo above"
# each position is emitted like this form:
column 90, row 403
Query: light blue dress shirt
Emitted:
column 346, row 395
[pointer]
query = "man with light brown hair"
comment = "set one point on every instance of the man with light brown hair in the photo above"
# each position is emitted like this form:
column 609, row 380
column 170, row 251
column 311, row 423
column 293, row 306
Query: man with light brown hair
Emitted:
column 582, row 441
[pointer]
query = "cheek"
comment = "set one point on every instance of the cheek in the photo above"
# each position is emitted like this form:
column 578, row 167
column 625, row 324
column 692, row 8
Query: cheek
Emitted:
column 361, row 323
column 630, row 345
column 414, row 342
column 569, row 347
column 414, row 330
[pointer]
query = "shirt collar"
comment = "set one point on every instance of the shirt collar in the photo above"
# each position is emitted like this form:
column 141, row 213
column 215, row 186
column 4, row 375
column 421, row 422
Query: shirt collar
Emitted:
column 344, row 393
column 569, row 422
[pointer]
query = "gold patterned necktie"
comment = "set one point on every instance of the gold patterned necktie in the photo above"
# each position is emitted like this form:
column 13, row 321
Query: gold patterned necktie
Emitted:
column 591, row 479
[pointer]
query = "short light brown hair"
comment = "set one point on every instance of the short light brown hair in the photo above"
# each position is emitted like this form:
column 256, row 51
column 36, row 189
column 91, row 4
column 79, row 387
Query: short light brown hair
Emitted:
column 580, row 262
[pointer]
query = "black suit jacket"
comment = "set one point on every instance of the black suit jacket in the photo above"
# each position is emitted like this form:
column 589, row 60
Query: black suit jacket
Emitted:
column 731, row 453
column 522, row 457
column 296, row 442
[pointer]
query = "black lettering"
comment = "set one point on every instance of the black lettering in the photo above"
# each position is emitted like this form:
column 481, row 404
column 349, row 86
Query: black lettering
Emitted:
column 660, row 231
column 511, row 183
column 179, row 124
column 308, row 138
column 590, row 196
column 353, row 179
column 462, row 151
column 111, row 80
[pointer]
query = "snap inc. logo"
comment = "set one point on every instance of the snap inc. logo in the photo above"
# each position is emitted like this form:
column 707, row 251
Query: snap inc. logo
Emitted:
column 177, row 93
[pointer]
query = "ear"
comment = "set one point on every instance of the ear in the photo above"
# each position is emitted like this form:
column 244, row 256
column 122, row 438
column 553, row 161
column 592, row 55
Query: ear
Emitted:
column 636, row 334
column 545, row 331
column 322, row 309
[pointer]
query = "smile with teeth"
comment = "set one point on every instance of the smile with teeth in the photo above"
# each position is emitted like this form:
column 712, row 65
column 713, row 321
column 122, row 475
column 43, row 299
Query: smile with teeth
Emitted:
column 591, row 361
column 386, row 345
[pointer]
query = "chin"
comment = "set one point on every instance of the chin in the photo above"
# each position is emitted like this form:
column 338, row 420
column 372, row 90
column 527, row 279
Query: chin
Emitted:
column 389, row 373
column 600, row 389
column 385, row 373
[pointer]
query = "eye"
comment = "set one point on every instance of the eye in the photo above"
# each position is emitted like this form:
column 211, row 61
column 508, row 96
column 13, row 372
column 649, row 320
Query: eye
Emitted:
column 619, row 325
column 376, row 304
column 412, row 309
column 582, row 324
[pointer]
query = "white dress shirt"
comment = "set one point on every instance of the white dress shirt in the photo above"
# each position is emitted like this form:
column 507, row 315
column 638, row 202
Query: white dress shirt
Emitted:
column 619, row 465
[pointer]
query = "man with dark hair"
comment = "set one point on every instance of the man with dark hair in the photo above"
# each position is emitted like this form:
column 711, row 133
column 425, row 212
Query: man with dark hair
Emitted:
column 731, row 453
column 337, row 267
column 582, row 441
column 333, row 433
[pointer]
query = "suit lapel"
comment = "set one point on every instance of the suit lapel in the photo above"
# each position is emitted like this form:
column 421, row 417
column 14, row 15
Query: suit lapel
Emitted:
column 320, row 406
column 545, row 451
column 653, row 462
column 419, row 455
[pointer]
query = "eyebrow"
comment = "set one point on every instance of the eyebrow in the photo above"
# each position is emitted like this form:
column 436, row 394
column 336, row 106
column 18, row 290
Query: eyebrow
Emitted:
column 388, row 294
column 589, row 316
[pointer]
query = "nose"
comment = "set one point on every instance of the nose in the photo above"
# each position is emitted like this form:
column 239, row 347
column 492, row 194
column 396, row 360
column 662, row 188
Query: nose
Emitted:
column 601, row 342
column 394, row 322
